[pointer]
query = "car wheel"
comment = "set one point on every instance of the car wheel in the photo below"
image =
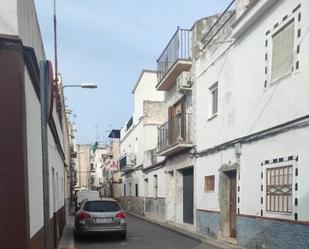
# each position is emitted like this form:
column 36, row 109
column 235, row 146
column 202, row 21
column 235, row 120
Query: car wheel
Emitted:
column 123, row 236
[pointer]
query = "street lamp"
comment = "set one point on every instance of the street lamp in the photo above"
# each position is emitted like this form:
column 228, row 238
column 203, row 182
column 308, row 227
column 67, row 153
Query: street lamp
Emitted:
column 83, row 85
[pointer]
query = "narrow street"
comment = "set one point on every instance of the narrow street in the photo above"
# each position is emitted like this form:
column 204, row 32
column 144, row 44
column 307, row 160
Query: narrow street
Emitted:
column 141, row 235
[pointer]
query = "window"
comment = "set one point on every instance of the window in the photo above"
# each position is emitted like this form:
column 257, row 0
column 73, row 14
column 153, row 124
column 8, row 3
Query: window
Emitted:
column 209, row 183
column 136, row 189
column 124, row 190
column 101, row 206
column 282, row 52
column 130, row 189
column 155, row 184
column 214, row 98
column 279, row 189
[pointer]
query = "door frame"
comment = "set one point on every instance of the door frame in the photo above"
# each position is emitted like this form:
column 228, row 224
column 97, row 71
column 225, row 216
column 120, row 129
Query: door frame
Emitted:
column 227, row 171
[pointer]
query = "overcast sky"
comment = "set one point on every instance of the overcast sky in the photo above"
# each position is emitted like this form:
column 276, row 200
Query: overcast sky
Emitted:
column 109, row 43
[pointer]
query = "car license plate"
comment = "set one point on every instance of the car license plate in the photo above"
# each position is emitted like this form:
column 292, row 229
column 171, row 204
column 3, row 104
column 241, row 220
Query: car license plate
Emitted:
column 103, row 220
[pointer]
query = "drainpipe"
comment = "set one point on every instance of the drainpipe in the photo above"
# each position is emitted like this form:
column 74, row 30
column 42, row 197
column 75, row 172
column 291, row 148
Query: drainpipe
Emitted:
column 44, row 78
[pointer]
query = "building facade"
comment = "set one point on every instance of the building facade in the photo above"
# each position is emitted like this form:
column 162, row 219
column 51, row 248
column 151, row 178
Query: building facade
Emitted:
column 137, row 136
column 23, row 137
column 84, row 165
column 252, row 118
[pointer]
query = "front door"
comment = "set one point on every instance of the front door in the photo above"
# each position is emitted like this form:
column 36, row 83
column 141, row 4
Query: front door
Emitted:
column 232, row 177
column 188, row 195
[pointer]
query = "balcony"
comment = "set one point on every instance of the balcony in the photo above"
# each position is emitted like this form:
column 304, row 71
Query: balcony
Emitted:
column 175, row 135
column 175, row 59
column 152, row 159
column 127, row 161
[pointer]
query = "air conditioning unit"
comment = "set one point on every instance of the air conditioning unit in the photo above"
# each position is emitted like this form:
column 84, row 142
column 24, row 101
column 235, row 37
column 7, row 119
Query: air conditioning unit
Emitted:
column 184, row 82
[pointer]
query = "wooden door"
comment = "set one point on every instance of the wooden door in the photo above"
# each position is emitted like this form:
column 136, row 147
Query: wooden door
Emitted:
column 233, row 187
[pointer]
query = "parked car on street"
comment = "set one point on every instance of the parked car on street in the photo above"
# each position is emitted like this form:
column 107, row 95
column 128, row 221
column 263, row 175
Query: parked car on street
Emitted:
column 100, row 216
column 85, row 194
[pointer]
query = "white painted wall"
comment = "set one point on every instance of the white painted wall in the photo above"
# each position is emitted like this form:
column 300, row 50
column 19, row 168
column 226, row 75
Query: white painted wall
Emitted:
column 34, row 157
column 56, row 163
column 161, row 183
column 8, row 17
column 29, row 28
column 145, row 90
column 245, row 107
column 18, row 17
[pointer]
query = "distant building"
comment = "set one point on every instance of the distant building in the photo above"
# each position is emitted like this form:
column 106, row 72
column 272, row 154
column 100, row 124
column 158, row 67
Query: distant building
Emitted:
column 84, row 165
column 138, row 135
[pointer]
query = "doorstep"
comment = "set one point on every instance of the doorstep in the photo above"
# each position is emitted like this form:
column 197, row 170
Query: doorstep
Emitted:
column 209, row 241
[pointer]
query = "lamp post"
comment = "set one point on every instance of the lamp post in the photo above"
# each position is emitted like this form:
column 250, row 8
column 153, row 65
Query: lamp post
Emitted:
column 83, row 85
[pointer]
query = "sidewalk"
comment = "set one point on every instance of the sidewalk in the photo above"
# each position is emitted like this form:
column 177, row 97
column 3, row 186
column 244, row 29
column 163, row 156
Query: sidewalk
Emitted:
column 67, row 240
column 212, row 242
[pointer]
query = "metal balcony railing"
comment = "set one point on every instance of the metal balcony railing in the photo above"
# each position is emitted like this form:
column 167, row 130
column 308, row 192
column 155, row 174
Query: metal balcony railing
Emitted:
column 175, row 131
column 123, row 162
column 179, row 47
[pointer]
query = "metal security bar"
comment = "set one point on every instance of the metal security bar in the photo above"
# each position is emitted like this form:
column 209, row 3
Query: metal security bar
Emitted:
column 179, row 47
column 279, row 189
column 175, row 130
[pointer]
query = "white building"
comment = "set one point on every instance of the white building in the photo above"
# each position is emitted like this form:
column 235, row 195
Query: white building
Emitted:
column 137, row 136
column 252, row 124
column 21, row 134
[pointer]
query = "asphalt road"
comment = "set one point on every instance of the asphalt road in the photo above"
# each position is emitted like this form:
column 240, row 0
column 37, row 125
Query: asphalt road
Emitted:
column 141, row 235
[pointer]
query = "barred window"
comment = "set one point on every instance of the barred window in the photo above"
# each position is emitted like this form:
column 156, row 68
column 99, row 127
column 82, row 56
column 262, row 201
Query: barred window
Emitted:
column 279, row 189
column 209, row 183
column 282, row 52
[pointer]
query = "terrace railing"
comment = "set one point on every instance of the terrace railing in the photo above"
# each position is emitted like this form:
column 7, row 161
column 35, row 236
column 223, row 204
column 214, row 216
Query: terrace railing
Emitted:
column 176, row 130
column 179, row 47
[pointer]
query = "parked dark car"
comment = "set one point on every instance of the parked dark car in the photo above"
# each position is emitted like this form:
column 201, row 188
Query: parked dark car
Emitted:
column 103, row 216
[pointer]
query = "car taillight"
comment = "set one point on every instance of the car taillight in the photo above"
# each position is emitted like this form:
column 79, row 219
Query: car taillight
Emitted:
column 120, row 215
column 83, row 216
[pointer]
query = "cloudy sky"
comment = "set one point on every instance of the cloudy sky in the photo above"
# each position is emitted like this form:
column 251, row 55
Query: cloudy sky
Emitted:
column 109, row 42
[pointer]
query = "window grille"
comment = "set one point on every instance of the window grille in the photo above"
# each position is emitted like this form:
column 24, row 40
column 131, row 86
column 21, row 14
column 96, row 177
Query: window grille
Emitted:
column 279, row 189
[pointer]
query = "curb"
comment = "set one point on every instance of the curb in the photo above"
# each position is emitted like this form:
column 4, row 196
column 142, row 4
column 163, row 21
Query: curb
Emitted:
column 67, row 238
column 215, row 243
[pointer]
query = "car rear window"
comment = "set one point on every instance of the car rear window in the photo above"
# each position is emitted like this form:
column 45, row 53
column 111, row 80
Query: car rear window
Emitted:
column 101, row 206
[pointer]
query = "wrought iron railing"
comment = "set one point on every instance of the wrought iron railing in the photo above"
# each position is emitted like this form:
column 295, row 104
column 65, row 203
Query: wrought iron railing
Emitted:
column 123, row 162
column 176, row 130
column 179, row 47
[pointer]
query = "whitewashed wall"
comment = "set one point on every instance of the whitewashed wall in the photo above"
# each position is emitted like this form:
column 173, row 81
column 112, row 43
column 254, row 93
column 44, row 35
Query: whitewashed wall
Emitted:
column 8, row 13
column 161, row 183
column 145, row 90
column 34, row 156
column 56, row 163
column 245, row 107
